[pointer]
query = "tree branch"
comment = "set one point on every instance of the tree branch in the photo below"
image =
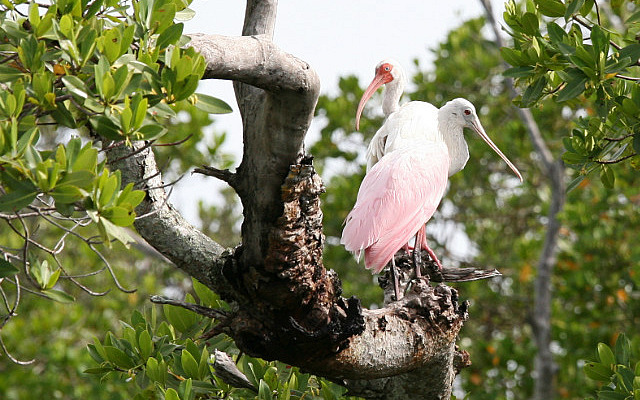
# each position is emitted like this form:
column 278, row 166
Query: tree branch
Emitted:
column 222, row 174
column 163, row 227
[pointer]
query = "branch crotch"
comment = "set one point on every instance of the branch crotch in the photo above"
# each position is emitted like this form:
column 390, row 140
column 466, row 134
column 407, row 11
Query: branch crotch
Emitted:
column 307, row 317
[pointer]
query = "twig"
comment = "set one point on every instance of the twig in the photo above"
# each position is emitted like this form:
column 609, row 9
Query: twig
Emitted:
column 133, row 153
column 196, row 308
column 615, row 161
column 628, row 78
column 222, row 174
column 619, row 139
column 167, row 184
column 12, row 358
column 174, row 143
column 225, row 368
column 75, row 282
column 108, row 266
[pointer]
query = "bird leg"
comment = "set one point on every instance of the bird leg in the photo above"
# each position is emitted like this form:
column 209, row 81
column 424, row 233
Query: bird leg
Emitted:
column 421, row 238
column 434, row 257
column 394, row 278
column 417, row 251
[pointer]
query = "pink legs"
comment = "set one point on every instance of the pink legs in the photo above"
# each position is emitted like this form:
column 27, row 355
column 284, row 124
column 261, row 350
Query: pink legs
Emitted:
column 421, row 242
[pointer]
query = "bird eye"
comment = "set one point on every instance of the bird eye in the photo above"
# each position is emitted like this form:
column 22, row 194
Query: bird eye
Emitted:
column 387, row 68
column 467, row 112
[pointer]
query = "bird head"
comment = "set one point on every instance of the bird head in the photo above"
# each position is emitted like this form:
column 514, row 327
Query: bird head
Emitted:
column 386, row 71
column 463, row 113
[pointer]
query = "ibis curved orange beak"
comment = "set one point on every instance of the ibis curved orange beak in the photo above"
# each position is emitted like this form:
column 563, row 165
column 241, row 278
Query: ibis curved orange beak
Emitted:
column 380, row 79
column 477, row 127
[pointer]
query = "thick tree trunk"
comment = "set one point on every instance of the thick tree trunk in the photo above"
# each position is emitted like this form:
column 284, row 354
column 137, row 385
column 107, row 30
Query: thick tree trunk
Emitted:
column 544, row 366
column 287, row 306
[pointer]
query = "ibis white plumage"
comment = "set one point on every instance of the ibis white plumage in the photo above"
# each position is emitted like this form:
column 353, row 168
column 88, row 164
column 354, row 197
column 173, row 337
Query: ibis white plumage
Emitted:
column 409, row 161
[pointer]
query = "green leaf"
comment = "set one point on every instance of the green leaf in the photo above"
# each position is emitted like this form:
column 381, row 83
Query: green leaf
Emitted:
column 597, row 372
column 512, row 56
column 574, row 86
column 66, row 26
column 551, row 8
column 211, row 105
column 82, row 178
column 108, row 86
column 607, row 176
column 632, row 51
column 106, row 128
column 53, row 279
column 206, row 296
column 264, row 392
column 530, row 24
column 636, row 143
column 622, row 349
column 17, row 199
column 140, row 112
column 129, row 198
column 145, row 344
column 150, row 132
column 519, row 72
column 7, row 269
column 58, row 295
column 635, row 17
column 327, row 393
column 625, row 377
column 599, row 39
column 171, row 394
column 556, row 33
column 93, row 352
column 97, row 371
column 605, row 355
column 170, row 35
column 108, row 189
column 572, row 9
column 111, row 43
column 185, row 15
column 533, row 92
column 179, row 318
column 76, row 86
column 152, row 369
column 113, row 231
column 63, row 116
column 609, row 395
column 118, row 357
column 119, row 216
column 85, row 160
column 186, row 88
column 189, row 365
column 185, row 389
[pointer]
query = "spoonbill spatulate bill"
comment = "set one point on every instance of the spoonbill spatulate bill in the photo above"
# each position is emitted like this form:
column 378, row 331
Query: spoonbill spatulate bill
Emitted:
column 409, row 160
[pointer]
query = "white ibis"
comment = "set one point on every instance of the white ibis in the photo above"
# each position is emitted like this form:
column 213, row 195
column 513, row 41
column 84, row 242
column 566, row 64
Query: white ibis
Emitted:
column 409, row 161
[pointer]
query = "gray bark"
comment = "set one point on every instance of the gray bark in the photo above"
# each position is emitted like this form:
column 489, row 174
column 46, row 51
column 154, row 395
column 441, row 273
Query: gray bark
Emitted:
column 287, row 306
column 553, row 169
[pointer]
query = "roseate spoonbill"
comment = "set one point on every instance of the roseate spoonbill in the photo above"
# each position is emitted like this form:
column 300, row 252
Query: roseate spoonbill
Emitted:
column 409, row 161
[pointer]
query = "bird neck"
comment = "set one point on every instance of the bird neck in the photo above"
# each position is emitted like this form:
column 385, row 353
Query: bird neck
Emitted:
column 453, row 137
column 392, row 93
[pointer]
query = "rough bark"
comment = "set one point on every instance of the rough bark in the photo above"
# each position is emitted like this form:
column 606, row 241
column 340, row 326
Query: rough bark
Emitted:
column 286, row 305
column 544, row 366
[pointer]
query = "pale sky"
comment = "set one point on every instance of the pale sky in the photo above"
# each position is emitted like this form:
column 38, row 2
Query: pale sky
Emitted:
column 336, row 38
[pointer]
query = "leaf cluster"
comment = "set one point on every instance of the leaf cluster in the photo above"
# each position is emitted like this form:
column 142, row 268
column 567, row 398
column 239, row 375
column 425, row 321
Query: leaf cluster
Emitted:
column 568, row 52
column 79, row 78
column 615, row 371
column 163, row 361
